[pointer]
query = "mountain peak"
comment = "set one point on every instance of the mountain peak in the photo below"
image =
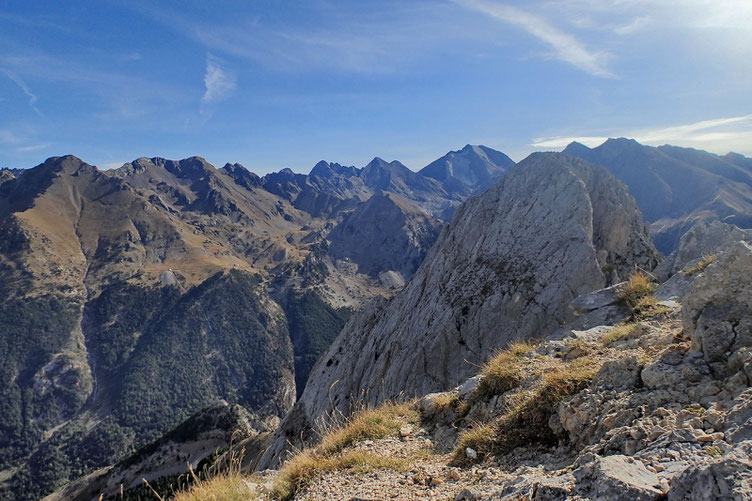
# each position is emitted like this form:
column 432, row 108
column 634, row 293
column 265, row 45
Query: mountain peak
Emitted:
column 471, row 169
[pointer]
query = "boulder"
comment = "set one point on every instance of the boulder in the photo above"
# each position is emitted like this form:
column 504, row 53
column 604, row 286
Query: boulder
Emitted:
column 616, row 477
column 718, row 309
column 596, row 300
column 728, row 477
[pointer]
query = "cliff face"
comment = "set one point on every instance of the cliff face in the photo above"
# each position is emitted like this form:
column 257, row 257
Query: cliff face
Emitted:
column 506, row 268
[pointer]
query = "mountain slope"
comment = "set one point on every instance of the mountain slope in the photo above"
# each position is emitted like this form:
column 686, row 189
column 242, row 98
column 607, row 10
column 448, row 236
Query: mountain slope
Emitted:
column 675, row 187
column 386, row 233
column 506, row 268
column 134, row 298
column 470, row 170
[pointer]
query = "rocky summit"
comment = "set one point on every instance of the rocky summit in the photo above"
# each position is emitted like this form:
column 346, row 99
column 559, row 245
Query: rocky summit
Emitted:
column 505, row 269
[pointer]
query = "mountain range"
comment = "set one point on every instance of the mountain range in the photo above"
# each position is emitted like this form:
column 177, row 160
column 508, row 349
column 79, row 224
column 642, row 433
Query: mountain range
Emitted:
column 241, row 281
column 676, row 187
column 139, row 296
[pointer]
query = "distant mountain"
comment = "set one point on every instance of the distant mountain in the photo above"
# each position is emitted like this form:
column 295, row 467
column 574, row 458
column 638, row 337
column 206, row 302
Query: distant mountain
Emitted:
column 470, row 170
column 332, row 189
column 134, row 297
column 676, row 187
column 5, row 175
column 506, row 268
column 386, row 233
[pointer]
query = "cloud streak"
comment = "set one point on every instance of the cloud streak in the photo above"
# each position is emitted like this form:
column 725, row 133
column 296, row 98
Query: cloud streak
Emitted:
column 719, row 135
column 565, row 47
column 219, row 82
column 25, row 88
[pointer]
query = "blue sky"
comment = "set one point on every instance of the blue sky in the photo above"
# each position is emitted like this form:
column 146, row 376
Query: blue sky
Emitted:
column 274, row 83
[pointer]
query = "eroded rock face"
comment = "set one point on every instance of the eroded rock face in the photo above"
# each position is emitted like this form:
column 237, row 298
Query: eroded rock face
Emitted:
column 717, row 310
column 506, row 268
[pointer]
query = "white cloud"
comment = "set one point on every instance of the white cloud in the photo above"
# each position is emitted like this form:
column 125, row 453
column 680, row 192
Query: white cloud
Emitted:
column 219, row 81
column 565, row 46
column 25, row 88
column 719, row 135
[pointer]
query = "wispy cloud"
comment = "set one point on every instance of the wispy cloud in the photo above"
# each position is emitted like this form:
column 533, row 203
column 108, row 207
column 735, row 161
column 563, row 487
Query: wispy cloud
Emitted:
column 33, row 147
column 218, row 80
column 719, row 135
column 565, row 46
column 25, row 88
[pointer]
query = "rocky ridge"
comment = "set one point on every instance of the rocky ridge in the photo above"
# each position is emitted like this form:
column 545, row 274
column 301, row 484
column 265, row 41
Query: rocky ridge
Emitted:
column 506, row 268
column 658, row 406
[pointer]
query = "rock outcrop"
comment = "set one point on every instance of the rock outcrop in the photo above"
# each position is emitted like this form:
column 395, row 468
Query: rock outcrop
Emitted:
column 506, row 268
column 717, row 312
column 386, row 233
column 704, row 239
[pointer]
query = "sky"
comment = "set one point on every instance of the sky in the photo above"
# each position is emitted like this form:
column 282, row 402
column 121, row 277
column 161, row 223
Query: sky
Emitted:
column 275, row 83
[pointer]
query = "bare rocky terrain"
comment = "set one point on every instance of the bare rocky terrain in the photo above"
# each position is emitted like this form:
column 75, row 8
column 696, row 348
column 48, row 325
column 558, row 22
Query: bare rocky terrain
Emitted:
column 656, row 405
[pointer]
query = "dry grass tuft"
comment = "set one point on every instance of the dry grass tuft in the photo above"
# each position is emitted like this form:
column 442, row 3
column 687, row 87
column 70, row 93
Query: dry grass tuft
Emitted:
column 446, row 401
column 370, row 424
column 618, row 333
column 527, row 421
column 706, row 261
column 503, row 372
column 297, row 473
column 227, row 485
column 638, row 287
column 648, row 307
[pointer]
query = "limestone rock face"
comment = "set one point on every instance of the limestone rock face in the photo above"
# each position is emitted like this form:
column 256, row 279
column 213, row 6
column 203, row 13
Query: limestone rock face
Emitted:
column 385, row 233
column 704, row 238
column 729, row 477
column 506, row 268
column 717, row 308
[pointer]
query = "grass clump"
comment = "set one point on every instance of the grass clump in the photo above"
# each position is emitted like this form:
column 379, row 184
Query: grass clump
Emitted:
column 226, row 485
column 445, row 401
column 703, row 263
column 297, row 473
column 527, row 420
column 503, row 371
column 481, row 438
column 619, row 332
column 370, row 424
column 638, row 287
column 713, row 451
column 648, row 307
column 223, row 487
